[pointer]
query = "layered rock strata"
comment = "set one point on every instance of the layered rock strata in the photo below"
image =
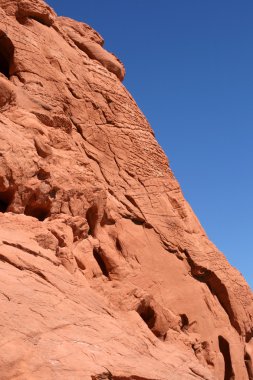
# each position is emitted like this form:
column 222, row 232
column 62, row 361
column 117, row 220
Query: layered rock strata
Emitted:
column 106, row 272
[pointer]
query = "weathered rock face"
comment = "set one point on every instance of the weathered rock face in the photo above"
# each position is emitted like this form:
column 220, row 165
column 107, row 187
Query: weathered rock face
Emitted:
column 105, row 271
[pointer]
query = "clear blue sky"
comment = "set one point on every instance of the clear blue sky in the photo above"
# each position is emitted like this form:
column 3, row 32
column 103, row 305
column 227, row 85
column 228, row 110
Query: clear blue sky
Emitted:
column 190, row 68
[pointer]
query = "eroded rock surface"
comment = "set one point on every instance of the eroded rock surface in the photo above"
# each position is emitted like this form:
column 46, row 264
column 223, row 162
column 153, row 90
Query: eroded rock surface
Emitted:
column 106, row 272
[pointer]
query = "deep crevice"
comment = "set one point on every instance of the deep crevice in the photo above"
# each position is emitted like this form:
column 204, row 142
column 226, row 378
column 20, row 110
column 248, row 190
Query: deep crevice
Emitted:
column 38, row 212
column 21, row 19
column 39, row 19
column 118, row 245
column 148, row 315
column 6, row 198
column 249, row 365
column 249, row 335
column 6, row 54
column 225, row 350
column 131, row 200
column 138, row 221
column 92, row 219
column 184, row 322
column 99, row 259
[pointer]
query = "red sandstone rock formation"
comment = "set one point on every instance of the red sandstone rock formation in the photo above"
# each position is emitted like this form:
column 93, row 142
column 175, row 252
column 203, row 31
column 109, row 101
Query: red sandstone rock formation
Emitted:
column 106, row 272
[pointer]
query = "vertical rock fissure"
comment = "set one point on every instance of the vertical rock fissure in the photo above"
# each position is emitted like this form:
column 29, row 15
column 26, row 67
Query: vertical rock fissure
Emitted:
column 6, row 54
column 92, row 219
column 225, row 350
column 184, row 322
column 248, row 365
column 98, row 257
column 6, row 198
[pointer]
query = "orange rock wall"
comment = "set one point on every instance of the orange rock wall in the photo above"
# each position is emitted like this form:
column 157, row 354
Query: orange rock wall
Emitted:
column 106, row 272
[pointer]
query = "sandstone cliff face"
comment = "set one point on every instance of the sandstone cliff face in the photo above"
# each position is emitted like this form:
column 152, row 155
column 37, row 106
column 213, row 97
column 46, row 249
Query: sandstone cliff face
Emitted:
column 105, row 271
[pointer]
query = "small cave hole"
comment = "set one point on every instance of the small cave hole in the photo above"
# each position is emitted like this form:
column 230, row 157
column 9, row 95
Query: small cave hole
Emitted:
column 98, row 257
column 225, row 350
column 39, row 19
column 92, row 219
column 6, row 54
column 6, row 198
column 53, row 192
column 42, row 175
column 147, row 313
column 38, row 212
column 3, row 205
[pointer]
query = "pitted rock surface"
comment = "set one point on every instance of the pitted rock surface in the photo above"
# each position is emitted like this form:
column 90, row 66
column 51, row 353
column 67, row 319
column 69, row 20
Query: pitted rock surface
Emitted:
column 106, row 273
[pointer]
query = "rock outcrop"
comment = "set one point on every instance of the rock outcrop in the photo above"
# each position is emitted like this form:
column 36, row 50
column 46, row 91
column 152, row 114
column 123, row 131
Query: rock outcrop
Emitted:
column 106, row 272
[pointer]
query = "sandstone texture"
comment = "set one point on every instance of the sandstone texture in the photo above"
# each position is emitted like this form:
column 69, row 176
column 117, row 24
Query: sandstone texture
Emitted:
column 105, row 271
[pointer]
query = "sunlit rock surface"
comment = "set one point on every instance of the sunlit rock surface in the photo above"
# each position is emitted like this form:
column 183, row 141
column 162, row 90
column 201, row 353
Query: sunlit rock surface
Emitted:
column 105, row 271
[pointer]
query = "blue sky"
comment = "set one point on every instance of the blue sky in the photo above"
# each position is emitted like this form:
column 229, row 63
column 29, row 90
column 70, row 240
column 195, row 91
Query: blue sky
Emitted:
column 190, row 68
